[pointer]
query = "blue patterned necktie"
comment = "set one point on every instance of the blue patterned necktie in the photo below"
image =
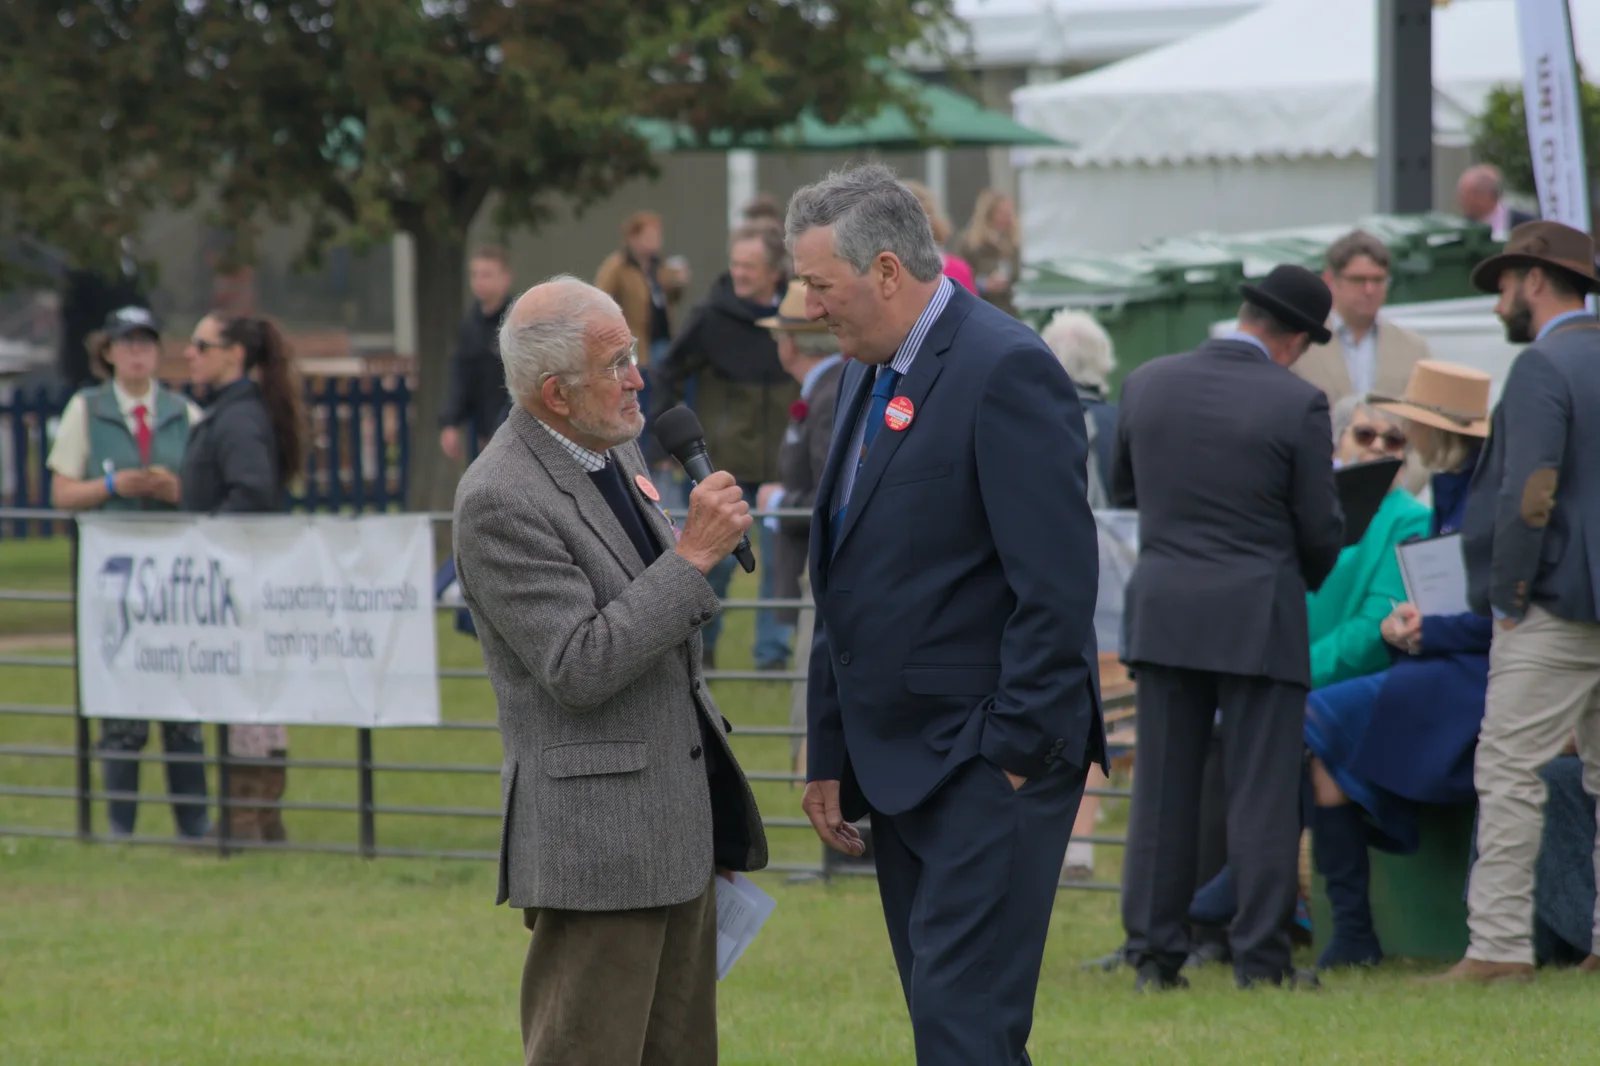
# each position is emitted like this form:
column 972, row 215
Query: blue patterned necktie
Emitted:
column 882, row 392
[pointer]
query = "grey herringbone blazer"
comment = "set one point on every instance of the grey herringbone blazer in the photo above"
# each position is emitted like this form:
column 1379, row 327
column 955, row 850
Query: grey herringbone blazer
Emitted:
column 595, row 662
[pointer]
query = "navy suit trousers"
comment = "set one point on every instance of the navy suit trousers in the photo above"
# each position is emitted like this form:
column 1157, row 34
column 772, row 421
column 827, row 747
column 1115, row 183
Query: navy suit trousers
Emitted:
column 968, row 878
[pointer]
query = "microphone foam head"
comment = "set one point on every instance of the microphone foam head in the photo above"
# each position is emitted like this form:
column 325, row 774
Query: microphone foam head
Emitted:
column 677, row 428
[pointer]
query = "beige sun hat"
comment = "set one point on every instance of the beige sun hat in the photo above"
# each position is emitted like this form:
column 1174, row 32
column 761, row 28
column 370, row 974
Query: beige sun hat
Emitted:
column 1444, row 396
column 791, row 315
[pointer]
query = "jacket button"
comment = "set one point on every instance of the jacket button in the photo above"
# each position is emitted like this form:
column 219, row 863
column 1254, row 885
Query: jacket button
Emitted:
column 844, row 658
column 694, row 752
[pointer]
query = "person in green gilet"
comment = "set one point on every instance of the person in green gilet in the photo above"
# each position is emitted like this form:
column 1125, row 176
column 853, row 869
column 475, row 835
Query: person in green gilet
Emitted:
column 117, row 448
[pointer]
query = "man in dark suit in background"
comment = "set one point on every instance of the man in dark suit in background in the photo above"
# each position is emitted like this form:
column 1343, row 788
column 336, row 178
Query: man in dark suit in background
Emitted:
column 810, row 355
column 953, row 688
column 1238, row 519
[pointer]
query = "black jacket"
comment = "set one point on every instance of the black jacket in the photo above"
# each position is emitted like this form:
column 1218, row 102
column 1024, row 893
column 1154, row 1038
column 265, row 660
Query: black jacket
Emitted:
column 742, row 393
column 231, row 463
column 477, row 377
column 1228, row 458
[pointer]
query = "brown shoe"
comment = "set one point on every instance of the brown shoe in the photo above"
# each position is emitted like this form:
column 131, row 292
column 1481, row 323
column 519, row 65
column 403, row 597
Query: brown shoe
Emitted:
column 1484, row 972
column 1590, row 965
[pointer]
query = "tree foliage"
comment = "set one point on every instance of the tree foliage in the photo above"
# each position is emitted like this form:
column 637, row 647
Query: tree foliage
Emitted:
column 1500, row 135
column 377, row 116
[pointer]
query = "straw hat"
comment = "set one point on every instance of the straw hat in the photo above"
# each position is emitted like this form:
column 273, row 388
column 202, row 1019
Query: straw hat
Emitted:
column 791, row 316
column 1444, row 396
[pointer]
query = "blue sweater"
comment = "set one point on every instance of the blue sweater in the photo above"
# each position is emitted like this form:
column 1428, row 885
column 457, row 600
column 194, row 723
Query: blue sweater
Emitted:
column 1424, row 730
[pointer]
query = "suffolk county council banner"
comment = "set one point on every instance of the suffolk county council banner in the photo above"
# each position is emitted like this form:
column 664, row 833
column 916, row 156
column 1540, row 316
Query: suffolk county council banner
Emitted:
column 318, row 620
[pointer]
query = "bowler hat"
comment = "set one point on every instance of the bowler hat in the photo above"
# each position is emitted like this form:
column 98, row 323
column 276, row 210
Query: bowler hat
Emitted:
column 1541, row 244
column 126, row 321
column 1444, row 396
column 791, row 316
column 1296, row 297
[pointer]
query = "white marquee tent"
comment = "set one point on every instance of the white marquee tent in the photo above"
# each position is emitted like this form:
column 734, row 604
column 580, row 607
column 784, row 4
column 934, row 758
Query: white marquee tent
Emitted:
column 1049, row 33
column 1269, row 120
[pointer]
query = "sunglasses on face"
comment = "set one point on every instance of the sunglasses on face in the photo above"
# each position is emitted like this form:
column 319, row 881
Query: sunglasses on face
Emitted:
column 203, row 346
column 1393, row 439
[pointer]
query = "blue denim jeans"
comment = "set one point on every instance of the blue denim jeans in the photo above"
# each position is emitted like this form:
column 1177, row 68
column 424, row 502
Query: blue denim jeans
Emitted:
column 773, row 639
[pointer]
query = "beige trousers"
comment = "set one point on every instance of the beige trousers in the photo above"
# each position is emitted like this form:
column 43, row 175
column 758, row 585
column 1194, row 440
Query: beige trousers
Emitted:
column 622, row 988
column 1544, row 683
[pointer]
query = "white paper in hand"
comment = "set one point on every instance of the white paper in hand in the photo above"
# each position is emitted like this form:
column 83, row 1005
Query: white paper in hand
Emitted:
column 742, row 909
column 1434, row 574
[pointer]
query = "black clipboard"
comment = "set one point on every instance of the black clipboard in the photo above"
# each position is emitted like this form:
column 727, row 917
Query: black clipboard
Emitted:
column 1362, row 487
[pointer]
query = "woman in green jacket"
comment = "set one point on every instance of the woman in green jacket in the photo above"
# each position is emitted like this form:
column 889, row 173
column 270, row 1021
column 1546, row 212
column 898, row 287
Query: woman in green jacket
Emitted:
column 1345, row 614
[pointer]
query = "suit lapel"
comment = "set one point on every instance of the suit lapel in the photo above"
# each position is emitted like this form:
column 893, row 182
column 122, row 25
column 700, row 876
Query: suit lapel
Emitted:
column 854, row 387
column 915, row 386
column 573, row 480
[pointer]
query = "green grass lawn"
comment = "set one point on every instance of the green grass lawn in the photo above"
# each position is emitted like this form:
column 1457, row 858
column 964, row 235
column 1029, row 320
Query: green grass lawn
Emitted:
column 152, row 955
column 34, row 564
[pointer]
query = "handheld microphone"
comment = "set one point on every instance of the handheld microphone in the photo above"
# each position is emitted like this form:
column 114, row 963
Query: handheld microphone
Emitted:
column 680, row 433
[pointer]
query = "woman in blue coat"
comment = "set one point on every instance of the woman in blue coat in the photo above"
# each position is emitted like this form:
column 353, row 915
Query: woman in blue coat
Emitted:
column 1383, row 744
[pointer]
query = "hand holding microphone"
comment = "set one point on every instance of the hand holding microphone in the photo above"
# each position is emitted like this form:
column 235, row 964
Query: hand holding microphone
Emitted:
column 718, row 515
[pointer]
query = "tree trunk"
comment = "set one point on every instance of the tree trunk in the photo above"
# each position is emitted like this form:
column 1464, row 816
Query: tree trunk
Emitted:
column 437, row 284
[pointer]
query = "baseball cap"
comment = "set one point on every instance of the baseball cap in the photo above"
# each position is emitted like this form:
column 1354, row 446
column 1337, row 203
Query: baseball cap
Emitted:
column 126, row 321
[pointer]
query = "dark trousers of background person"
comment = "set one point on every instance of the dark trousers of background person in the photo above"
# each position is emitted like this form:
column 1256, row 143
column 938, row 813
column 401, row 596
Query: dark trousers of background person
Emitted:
column 184, row 779
column 771, row 650
column 968, row 878
column 1262, row 750
column 1211, row 853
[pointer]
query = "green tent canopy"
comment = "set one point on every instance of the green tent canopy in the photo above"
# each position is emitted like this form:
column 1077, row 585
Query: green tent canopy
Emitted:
column 949, row 119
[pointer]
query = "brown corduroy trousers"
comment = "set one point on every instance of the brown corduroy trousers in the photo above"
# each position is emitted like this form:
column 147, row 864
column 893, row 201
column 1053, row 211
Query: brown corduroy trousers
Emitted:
column 622, row 988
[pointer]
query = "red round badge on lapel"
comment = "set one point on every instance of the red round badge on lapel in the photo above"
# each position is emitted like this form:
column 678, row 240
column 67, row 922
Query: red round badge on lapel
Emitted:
column 647, row 487
column 899, row 413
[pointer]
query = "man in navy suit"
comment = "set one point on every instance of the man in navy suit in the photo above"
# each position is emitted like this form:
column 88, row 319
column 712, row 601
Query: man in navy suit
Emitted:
column 954, row 563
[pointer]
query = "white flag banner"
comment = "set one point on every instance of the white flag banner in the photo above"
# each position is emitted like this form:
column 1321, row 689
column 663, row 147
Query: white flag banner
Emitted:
column 1550, row 97
column 319, row 620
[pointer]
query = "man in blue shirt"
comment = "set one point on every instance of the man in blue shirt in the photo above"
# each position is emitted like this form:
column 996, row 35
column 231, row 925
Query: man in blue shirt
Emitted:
column 1531, row 538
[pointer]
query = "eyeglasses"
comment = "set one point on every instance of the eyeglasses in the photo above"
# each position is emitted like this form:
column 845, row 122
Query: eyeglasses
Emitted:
column 1366, row 281
column 1393, row 439
column 620, row 367
column 203, row 346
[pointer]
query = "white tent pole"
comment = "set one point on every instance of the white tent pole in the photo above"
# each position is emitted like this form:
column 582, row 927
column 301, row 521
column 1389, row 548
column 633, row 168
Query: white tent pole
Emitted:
column 743, row 180
column 934, row 176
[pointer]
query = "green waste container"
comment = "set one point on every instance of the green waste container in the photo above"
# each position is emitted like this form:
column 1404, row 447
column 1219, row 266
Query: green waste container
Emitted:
column 1166, row 297
column 1418, row 901
column 1150, row 304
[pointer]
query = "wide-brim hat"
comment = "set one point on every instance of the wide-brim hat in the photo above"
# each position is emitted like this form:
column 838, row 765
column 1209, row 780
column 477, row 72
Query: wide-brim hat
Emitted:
column 1296, row 297
column 1445, row 396
column 126, row 321
column 1541, row 244
column 791, row 316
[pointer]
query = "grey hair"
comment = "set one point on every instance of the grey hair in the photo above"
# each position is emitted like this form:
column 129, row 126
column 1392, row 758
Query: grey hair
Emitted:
column 1345, row 411
column 814, row 343
column 771, row 238
column 550, row 339
column 1081, row 345
column 871, row 213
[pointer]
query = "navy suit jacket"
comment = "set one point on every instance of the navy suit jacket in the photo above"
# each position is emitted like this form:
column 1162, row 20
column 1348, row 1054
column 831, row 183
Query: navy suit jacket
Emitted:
column 955, row 610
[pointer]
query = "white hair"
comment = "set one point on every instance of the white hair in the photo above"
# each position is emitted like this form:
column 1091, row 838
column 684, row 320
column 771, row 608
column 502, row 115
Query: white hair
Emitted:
column 549, row 336
column 1345, row 411
column 1082, row 347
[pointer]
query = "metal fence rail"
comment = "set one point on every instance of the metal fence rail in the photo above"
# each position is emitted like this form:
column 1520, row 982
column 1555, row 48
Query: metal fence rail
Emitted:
column 366, row 768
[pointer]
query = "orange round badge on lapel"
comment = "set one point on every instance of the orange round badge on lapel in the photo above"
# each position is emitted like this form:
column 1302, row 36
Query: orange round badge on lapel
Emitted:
column 898, row 414
column 647, row 487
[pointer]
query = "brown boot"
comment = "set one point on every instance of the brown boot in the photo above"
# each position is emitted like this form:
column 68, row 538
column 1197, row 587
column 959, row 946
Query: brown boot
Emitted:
column 274, row 780
column 1484, row 972
column 1590, row 965
column 244, row 822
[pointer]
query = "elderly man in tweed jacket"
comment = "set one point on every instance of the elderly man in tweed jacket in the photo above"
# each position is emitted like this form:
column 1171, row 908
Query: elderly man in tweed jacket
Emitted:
column 620, row 792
